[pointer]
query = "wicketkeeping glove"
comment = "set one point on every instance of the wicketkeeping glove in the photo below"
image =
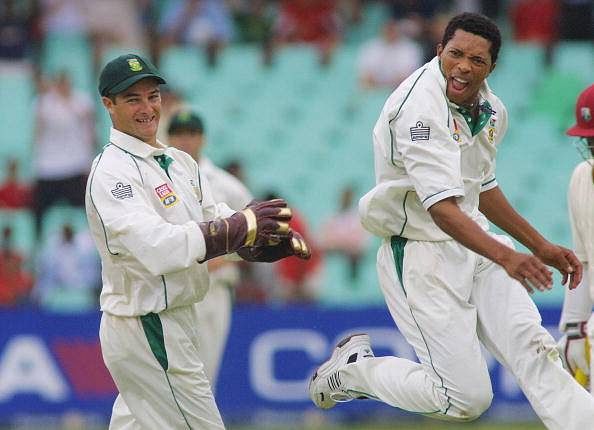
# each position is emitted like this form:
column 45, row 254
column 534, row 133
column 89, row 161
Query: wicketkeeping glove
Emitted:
column 574, row 349
column 287, row 246
column 259, row 224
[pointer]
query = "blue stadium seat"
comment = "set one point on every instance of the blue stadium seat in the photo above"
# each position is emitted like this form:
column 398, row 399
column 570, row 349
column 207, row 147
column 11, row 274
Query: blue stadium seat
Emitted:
column 16, row 111
column 70, row 53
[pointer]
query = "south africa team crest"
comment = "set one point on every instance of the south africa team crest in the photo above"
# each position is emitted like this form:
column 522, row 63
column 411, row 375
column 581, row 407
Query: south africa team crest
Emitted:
column 166, row 195
column 491, row 130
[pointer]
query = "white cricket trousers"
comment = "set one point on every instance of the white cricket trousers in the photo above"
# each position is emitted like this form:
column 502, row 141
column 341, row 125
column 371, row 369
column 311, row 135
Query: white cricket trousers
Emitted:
column 451, row 299
column 214, row 321
column 155, row 362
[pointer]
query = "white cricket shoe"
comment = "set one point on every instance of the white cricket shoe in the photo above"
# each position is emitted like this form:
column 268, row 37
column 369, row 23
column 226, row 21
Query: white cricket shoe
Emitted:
column 325, row 387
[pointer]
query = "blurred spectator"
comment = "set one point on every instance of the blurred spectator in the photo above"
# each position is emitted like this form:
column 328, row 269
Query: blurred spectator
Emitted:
column 420, row 20
column 236, row 169
column 204, row 23
column 254, row 23
column 116, row 23
column 315, row 22
column 171, row 102
column 413, row 16
column 493, row 8
column 433, row 34
column 15, row 35
column 343, row 234
column 535, row 21
column 297, row 280
column 386, row 60
column 14, row 194
column 68, row 272
column 257, row 283
column 351, row 11
column 576, row 19
column 64, row 146
column 460, row 6
column 15, row 281
column 63, row 17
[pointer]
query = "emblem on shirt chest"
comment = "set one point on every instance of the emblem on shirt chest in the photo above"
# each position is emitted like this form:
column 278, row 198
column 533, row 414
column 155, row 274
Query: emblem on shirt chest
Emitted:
column 456, row 133
column 491, row 129
column 166, row 195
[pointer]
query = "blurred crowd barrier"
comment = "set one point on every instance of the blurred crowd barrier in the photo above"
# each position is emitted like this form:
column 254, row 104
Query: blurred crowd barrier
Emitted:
column 51, row 367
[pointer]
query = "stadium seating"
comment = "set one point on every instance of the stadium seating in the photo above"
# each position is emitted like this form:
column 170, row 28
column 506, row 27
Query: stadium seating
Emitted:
column 304, row 130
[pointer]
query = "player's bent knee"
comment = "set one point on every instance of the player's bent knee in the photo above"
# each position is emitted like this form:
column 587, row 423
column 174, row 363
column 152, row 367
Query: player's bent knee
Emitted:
column 480, row 405
column 475, row 402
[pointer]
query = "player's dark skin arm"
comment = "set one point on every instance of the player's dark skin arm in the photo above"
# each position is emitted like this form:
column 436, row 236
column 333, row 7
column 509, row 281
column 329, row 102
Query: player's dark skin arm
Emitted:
column 527, row 269
column 495, row 206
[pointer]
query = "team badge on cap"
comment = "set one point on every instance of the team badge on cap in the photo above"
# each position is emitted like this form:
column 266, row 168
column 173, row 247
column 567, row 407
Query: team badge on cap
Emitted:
column 586, row 114
column 166, row 195
column 134, row 64
column 419, row 132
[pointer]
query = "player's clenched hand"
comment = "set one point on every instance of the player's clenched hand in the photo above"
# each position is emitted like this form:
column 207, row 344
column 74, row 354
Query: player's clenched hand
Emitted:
column 562, row 259
column 268, row 222
column 259, row 224
column 528, row 270
column 287, row 246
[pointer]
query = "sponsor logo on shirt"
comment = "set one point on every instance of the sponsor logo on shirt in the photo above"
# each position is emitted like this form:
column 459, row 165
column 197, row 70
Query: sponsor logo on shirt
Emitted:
column 122, row 191
column 419, row 132
column 166, row 195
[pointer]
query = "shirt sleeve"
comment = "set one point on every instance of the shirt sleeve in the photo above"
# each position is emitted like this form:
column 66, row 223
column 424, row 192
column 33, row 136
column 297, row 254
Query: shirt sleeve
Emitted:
column 489, row 180
column 573, row 204
column 210, row 207
column 133, row 227
column 430, row 154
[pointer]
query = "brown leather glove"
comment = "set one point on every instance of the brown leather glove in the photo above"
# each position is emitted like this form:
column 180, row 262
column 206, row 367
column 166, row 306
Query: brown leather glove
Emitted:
column 293, row 245
column 259, row 224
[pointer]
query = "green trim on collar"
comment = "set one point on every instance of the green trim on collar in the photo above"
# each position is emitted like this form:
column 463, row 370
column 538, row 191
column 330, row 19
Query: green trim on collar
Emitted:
column 477, row 125
column 164, row 161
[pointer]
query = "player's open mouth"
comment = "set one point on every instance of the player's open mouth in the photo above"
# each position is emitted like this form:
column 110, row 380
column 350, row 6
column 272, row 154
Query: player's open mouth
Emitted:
column 459, row 84
column 145, row 120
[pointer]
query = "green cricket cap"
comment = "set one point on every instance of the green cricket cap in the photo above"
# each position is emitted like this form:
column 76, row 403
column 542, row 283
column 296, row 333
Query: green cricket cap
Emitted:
column 124, row 71
column 185, row 120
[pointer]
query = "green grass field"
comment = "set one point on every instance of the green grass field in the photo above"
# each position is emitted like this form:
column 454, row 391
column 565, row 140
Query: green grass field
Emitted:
column 414, row 425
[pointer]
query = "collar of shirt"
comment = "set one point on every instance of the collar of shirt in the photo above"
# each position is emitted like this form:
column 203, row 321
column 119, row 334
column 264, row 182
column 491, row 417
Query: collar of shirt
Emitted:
column 135, row 146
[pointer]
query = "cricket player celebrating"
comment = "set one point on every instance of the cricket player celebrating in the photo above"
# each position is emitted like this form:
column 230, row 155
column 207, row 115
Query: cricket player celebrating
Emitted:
column 449, row 284
column 154, row 222
column 577, row 320
column 186, row 133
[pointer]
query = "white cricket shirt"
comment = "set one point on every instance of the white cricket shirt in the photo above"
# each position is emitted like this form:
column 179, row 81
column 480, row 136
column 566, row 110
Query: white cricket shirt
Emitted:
column 425, row 151
column 144, row 220
column 225, row 187
column 580, row 200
